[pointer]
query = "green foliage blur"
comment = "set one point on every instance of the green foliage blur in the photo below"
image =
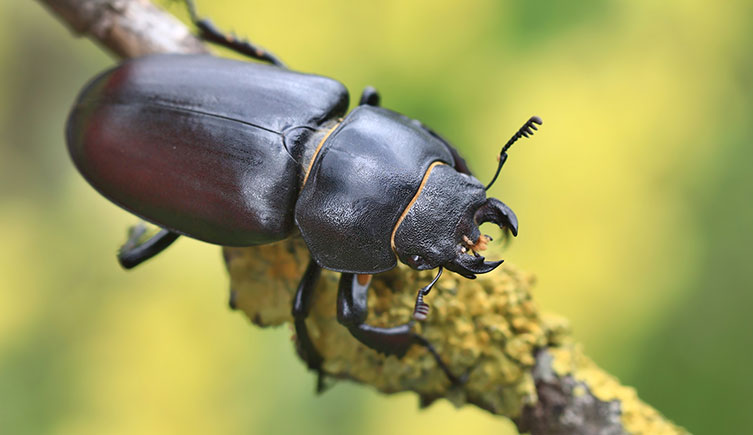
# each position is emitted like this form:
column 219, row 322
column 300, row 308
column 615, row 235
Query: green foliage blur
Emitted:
column 635, row 203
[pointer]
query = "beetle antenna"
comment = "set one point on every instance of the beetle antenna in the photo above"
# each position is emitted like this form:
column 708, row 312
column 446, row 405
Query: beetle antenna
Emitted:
column 421, row 310
column 526, row 130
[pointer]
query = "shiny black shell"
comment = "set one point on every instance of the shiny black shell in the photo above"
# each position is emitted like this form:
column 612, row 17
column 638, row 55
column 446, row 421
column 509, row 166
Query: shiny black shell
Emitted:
column 364, row 177
column 218, row 150
column 200, row 145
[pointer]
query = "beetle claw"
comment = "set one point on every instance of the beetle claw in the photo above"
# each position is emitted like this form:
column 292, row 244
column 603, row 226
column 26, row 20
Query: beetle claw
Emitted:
column 469, row 266
column 494, row 210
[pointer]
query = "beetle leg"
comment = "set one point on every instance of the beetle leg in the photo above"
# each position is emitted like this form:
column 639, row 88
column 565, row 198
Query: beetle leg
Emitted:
column 352, row 311
column 209, row 32
column 369, row 97
column 301, row 308
column 135, row 252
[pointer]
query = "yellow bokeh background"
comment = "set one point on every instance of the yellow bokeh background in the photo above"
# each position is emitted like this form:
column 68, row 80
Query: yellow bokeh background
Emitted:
column 634, row 201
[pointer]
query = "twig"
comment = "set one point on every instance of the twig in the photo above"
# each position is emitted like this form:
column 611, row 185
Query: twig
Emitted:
column 128, row 28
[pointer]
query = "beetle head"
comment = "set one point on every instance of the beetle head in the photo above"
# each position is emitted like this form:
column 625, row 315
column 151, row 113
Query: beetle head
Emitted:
column 441, row 228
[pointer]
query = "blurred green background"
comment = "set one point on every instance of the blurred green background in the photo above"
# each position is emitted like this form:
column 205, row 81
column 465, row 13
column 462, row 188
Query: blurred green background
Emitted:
column 634, row 202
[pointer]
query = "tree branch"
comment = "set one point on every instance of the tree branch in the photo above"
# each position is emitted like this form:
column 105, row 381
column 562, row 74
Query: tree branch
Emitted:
column 128, row 28
column 520, row 363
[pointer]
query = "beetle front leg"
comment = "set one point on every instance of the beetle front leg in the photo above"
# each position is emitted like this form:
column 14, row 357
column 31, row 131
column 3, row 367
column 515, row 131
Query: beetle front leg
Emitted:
column 352, row 311
column 135, row 252
column 370, row 97
column 301, row 308
column 209, row 32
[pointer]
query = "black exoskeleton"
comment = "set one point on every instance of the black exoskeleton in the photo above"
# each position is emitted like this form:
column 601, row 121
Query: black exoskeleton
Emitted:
column 240, row 154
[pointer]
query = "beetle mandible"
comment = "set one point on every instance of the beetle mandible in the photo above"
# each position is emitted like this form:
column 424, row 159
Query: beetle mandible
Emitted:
column 245, row 153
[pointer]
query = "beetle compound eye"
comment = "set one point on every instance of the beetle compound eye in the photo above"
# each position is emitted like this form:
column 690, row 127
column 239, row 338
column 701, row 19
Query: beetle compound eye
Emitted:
column 417, row 262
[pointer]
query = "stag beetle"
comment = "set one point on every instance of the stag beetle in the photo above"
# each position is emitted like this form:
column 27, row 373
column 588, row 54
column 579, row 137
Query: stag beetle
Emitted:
column 239, row 153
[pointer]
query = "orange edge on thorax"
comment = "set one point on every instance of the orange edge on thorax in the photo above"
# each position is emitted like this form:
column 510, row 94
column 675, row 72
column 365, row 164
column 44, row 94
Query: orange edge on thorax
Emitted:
column 316, row 153
column 412, row 201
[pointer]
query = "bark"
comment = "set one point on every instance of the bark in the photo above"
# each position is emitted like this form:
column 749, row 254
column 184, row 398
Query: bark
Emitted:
column 520, row 363
column 127, row 28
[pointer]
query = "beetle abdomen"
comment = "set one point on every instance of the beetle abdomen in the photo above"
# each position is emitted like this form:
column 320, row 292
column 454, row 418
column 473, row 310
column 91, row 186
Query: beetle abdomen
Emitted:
column 195, row 143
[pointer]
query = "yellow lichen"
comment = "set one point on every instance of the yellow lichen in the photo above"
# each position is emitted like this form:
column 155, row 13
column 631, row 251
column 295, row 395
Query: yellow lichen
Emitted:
column 637, row 416
column 489, row 329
